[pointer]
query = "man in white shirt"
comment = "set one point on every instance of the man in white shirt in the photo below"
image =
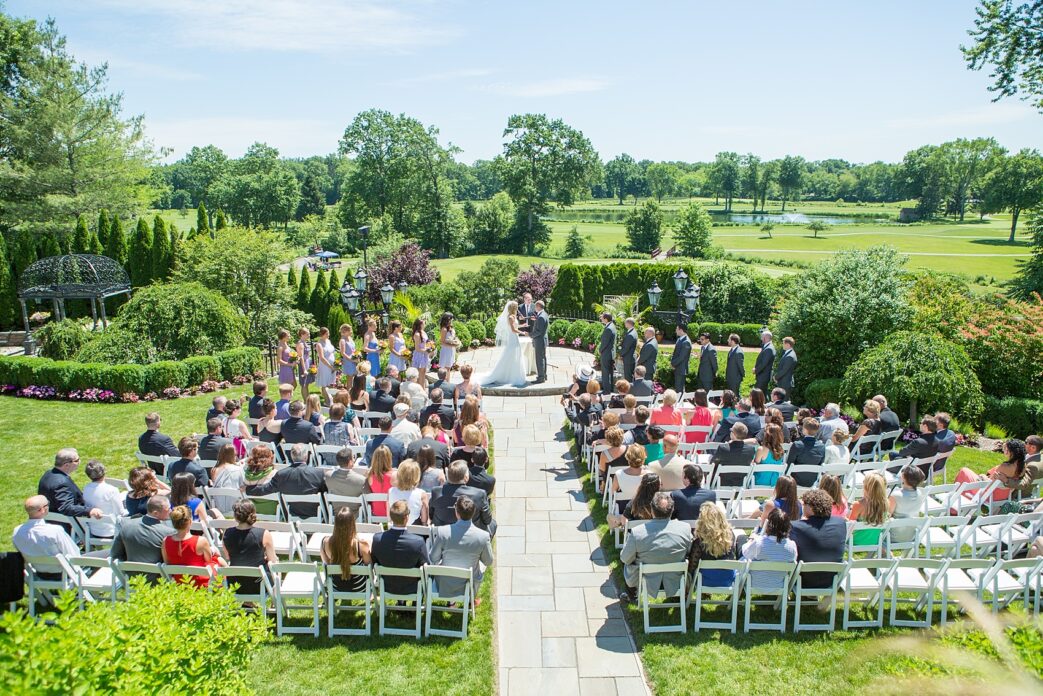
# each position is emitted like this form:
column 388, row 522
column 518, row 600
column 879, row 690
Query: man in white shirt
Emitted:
column 830, row 421
column 106, row 498
column 402, row 429
column 671, row 467
column 38, row 538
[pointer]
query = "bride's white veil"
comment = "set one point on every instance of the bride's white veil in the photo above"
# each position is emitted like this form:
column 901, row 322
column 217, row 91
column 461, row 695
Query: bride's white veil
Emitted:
column 502, row 329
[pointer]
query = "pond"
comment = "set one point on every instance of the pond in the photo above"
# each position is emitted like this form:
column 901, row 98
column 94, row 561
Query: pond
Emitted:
column 789, row 219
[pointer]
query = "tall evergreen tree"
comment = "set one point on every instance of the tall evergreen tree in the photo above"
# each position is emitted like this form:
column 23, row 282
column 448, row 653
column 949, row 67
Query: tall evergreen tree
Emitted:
column 8, row 293
column 304, row 290
column 23, row 254
column 103, row 229
column 334, row 283
column 140, row 258
column 177, row 249
column 317, row 303
column 202, row 222
column 49, row 246
column 82, row 238
column 96, row 247
column 222, row 221
column 160, row 249
column 291, row 278
column 116, row 244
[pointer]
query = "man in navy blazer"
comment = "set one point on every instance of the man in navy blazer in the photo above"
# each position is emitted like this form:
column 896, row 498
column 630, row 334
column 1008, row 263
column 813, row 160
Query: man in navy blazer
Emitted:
column 385, row 438
column 154, row 443
column 945, row 439
column 807, row 450
column 820, row 537
column 399, row 548
column 62, row 493
column 297, row 430
column 443, row 499
column 744, row 415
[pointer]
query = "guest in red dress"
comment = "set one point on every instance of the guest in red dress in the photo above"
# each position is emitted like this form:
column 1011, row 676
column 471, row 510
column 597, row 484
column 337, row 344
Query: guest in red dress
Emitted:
column 182, row 548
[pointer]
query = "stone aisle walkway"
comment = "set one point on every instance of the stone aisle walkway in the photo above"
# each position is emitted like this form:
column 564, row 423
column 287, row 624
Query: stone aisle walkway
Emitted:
column 559, row 625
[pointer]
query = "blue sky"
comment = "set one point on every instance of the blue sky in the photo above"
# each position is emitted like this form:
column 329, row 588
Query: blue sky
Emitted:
column 659, row 80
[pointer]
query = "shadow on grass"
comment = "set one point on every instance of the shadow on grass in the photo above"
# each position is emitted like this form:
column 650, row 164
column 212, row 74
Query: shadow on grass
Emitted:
column 996, row 242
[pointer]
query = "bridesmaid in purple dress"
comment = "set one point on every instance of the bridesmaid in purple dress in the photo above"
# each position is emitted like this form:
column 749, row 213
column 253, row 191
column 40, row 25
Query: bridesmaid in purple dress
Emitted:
column 347, row 351
column 287, row 364
column 396, row 344
column 304, row 375
column 421, row 356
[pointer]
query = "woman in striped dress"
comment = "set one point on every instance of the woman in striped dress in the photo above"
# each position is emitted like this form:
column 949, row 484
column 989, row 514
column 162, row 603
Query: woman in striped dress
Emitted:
column 774, row 545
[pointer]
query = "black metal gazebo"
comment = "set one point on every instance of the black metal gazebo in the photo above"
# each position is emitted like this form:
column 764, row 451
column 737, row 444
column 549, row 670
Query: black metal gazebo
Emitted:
column 72, row 277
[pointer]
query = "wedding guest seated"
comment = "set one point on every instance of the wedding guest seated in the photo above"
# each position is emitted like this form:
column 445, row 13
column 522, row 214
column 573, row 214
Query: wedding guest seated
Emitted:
column 443, row 385
column 269, row 429
column 470, row 414
column 784, row 498
column 774, row 416
column 296, row 429
column 399, row 548
column 346, row 479
column 403, row 429
column 358, row 396
column 394, row 382
column 253, row 408
column 466, row 387
column 820, row 537
column 829, row 422
column 870, row 425
column 227, row 473
column 907, row 502
column 105, row 497
column 668, row 413
column 478, row 468
column 640, row 506
column 700, row 415
column 247, row 545
column 282, row 406
column 187, row 463
column 414, row 390
column 428, row 438
column 143, row 485
column 313, row 411
column 774, row 545
column 140, row 539
column 439, row 408
column 835, row 488
column 638, row 435
column 352, row 553
column 62, row 493
column 889, row 420
column 728, row 403
column 873, row 508
column 622, row 389
column 925, row 445
column 627, row 480
column 187, row 549
column 662, row 540
column 431, row 474
column 608, row 420
column 769, row 453
column 688, row 501
column 382, row 400
column 743, row 415
column 296, row 479
column 338, row 431
column 836, row 451
column 461, row 545
column 588, row 412
column 654, row 446
column 260, row 467
column 714, row 540
column 757, row 405
column 670, row 466
column 944, row 438
column 737, row 452
column 217, row 407
column 807, row 450
column 407, row 489
column 183, row 492
column 1009, row 473
column 443, row 499
column 386, row 439
column 629, row 417
column 802, row 415
column 1033, row 466
column 211, row 443
column 641, row 386
column 615, row 455
column 154, row 443
column 779, row 401
column 36, row 537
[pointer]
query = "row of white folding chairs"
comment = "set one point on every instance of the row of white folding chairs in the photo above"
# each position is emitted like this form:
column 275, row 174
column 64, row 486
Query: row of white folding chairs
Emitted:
column 286, row 584
column 920, row 583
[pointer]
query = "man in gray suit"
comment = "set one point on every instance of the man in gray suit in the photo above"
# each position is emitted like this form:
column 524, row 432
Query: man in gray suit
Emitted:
column 661, row 540
column 786, row 367
column 735, row 370
column 679, row 358
column 539, row 341
column 607, row 352
column 628, row 349
column 707, row 362
column 140, row 539
column 649, row 353
column 765, row 362
column 641, row 386
column 461, row 545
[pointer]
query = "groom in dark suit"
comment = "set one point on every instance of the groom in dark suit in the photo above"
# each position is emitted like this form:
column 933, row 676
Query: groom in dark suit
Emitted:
column 707, row 362
column 607, row 352
column 539, row 341
column 526, row 313
column 628, row 348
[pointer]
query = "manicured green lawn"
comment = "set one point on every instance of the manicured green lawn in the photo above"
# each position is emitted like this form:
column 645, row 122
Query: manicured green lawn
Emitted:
column 33, row 431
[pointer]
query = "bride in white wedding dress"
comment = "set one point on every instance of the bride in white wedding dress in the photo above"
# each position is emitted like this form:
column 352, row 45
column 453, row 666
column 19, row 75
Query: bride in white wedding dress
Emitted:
column 510, row 369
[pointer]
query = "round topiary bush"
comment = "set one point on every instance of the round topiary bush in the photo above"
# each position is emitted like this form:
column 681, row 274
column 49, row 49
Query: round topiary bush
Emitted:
column 61, row 340
column 463, row 334
column 490, row 327
column 576, row 330
column 823, row 391
column 477, row 329
column 557, row 329
column 115, row 345
column 592, row 334
column 918, row 372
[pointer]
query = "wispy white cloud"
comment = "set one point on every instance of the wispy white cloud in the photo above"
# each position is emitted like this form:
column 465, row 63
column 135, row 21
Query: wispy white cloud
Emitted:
column 549, row 88
column 315, row 26
column 293, row 137
column 1003, row 112
column 446, row 76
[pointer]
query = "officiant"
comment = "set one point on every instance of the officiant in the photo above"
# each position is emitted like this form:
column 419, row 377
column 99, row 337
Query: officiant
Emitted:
column 527, row 313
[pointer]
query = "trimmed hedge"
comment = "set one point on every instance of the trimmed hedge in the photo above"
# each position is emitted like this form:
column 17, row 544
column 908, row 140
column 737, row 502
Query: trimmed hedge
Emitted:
column 557, row 329
column 823, row 391
column 68, row 375
column 477, row 329
column 1019, row 417
column 490, row 327
column 463, row 334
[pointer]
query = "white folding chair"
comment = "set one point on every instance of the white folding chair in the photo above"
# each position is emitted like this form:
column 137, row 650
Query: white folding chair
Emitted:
column 1031, row 577
column 37, row 570
column 901, row 536
column 738, row 476
column 385, row 596
column 1019, row 532
column 369, row 499
column 806, row 475
column 284, row 538
column 156, row 462
column 336, row 502
column 630, row 524
column 701, row 589
column 862, row 546
column 970, row 497
column 945, row 534
column 152, row 572
column 297, row 581
column 75, row 528
column 221, row 498
column 985, row 535
column 217, row 529
column 940, row 463
column 918, row 577
column 861, row 469
column 232, row 577
column 888, row 443
column 961, row 577
column 432, row 576
column 869, row 443
column 288, row 499
column 645, row 598
column 119, row 483
column 269, row 507
column 818, row 594
column 1007, row 580
column 763, row 579
column 608, row 494
column 312, row 536
column 333, row 595
column 287, row 447
column 749, row 500
column 866, row 582
column 96, row 580
column 937, row 500
column 174, row 572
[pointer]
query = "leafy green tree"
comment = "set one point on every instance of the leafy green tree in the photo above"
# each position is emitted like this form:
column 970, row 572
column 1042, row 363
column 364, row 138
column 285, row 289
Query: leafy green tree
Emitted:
column 291, row 278
column 116, row 244
column 751, row 171
column 622, row 176
column 177, row 250
column 491, row 225
column 575, row 244
column 967, row 163
column 201, row 169
column 925, row 177
column 103, row 228
column 313, row 200
column 317, row 302
column 818, row 226
column 82, row 237
column 486, row 290
column 725, row 177
column 843, row 306
column 791, row 178
column 49, row 246
column 1008, row 39
column 1016, row 184
column 140, row 257
column 222, row 221
column 694, row 230
column 202, row 220
column 9, row 308
column 258, row 189
column 161, row 249
column 543, row 160
column 1029, row 278
column 767, row 228
column 95, row 244
column 662, row 179
column 644, row 227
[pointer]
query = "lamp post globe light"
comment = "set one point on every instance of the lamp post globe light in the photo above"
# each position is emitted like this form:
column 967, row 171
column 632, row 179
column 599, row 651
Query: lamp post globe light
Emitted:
column 353, row 291
column 687, row 297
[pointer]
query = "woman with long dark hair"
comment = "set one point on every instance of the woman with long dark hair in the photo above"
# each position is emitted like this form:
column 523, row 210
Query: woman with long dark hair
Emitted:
column 757, row 401
column 346, row 549
column 447, row 339
column 784, row 498
column 773, row 544
column 1008, row 473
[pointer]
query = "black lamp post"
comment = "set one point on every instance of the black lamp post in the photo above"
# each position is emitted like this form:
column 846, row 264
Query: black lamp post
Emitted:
column 353, row 291
column 687, row 297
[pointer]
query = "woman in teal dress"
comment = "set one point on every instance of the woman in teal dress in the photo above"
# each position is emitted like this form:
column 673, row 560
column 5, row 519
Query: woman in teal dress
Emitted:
column 372, row 348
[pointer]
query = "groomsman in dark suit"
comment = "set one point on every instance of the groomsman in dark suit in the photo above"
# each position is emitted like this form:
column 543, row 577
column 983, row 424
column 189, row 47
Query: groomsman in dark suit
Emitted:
column 786, row 367
column 607, row 352
column 628, row 349
column 735, row 370
column 765, row 362
column 527, row 313
column 707, row 362
column 679, row 359
column 649, row 353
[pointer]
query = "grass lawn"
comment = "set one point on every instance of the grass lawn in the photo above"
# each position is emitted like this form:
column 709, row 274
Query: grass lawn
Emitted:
column 34, row 430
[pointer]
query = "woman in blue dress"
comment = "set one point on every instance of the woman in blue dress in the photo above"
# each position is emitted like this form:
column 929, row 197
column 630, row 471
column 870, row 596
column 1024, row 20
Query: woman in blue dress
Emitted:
column 396, row 344
column 304, row 374
column 769, row 453
column 372, row 348
column 347, row 351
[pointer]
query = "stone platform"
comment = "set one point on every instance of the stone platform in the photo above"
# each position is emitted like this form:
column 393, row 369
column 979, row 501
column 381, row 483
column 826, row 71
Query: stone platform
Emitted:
column 561, row 366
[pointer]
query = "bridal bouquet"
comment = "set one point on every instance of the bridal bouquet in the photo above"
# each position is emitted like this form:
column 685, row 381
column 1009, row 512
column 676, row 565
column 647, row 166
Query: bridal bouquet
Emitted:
column 313, row 370
column 338, row 361
column 357, row 356
column 382, row 345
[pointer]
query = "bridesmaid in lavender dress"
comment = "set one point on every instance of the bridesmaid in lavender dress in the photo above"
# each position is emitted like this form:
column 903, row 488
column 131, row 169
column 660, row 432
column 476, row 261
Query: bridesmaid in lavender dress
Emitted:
column 396, row 344
column 347, row 350
column 304, row 375
column 287, row 373
column 325, row 355
column 447, row 338
column 421, row 356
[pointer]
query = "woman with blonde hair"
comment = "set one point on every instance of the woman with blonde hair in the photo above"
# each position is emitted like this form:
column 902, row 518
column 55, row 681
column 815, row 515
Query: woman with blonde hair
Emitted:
column 380, row 479
column 615, row 455
column 313, row 411
column 371, row 348
column 466, row 387
column 346, row 348
column 446, row 437
column 346, row 549
column 184, row 548
column 629, row 415
column 714, row 540
column 407, row 488
column 227, row 473
column 870, row 425
column 397, row 346
column 667, row 414
column 873, row 509
column 626, row 482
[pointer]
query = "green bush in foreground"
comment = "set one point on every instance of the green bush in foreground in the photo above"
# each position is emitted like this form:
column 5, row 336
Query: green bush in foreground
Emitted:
column 147, row 645
column 60, row 340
